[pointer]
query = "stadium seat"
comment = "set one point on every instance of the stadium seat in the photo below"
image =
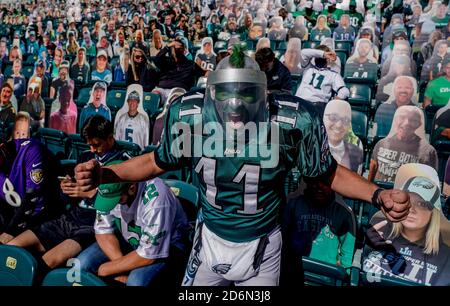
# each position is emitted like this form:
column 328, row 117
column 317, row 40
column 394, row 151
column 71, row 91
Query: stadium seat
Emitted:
column 28, row 71
column 360, row 97
column 17, row 266
column 359, row 125
column 365, row 74
column 83, row 98
column 132, row 148
column 63, row 277
column 343, row 46
column 48, row 107
column 443, row 150
column 251, row 44
column 309, row 44
column 184, row 191
column 56, row 141
column 115, row 100
column 296, row 80
column 343, row 58
column 8, row 70
column 189, row 199
column 319, row 273
column 118, row 85
column 30, row 59
column 151, row 104
column 77, row 146
column 430, row 112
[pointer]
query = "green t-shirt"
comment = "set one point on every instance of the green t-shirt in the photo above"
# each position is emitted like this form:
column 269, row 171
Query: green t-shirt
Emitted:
column 438, row 91
column 440, row 22
column 239, row 196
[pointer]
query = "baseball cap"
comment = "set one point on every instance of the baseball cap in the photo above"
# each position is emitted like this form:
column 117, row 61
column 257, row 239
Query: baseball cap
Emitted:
column 108, row 195
column 102, row 53
column 64, row 64
column 399, row 34
column 134, row 95
column 366, row 31
column 426, row 189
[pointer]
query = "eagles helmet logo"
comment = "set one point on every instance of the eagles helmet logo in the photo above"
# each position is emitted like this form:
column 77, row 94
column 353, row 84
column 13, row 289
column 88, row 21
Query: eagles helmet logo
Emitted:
column 221, row 268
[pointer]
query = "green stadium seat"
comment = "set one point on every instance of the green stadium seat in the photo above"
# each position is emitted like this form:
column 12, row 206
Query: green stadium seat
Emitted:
column 343, row 46
column 296, row 80
column 359, row 125
column 62, row 277
column 309, row 44
column 151, row 104
column 77, row 146
column 357, row 73
column 189, row 199
column 28, row 71
column 343, row 58
column 360, row 97
column 56, row 141
column 184, row 191
column 83, row 98
column 251, row 44
column 319, row 273
column 17, row 266
column 30, row 60
column 8, row 70
column 115, row 100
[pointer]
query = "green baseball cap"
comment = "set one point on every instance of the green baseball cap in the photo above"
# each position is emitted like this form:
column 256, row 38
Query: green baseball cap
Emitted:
column 108, row 195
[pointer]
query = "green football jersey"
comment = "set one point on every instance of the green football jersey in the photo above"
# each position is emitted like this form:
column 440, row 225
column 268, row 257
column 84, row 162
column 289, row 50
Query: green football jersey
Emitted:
column 240, row 193
column 438, row 91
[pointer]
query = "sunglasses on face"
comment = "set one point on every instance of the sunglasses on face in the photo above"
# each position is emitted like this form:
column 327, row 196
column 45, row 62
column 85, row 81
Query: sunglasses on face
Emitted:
column 138, row 56
column 334, row 118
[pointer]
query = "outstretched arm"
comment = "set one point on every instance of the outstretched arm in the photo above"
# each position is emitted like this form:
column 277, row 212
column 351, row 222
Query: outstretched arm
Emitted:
column 394, row 203
column 89, row 174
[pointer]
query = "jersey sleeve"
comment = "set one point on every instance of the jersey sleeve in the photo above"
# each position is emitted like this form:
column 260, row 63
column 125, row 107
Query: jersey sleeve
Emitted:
column 339, row 87
column 104, row 223
column 314, row 156
column 308, row 54
column 158, row 216
column 176, row 133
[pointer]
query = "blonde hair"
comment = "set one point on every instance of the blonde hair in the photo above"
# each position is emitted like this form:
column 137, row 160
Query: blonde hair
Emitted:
column 431, row 237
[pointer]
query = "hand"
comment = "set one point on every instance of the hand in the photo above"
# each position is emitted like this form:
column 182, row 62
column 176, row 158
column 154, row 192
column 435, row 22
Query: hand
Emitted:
column 88, row 175
column 5, row 238
column 395, row 204
column 375, row 237
column 331, row 56
column 71, row 188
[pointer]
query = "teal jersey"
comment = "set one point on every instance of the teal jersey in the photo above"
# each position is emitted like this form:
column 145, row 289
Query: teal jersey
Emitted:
column 240, row 197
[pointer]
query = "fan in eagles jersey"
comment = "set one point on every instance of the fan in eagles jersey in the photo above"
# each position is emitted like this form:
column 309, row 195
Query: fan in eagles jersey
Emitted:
column 152, row 228
column 319, row 82
column 205, row 57
column 132, row 122
column 238, row 238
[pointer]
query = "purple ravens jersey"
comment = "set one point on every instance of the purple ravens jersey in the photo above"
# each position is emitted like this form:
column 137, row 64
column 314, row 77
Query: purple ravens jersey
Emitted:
column 25, row 176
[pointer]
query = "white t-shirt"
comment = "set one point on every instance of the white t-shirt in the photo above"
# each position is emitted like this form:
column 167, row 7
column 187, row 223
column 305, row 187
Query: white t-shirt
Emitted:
column 151, row 224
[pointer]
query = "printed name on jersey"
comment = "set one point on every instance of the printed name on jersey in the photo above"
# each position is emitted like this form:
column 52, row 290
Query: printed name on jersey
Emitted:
column 37, row 175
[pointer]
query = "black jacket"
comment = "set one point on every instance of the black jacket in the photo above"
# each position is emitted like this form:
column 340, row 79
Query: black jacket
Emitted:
column 279, row 78
column 175, row 74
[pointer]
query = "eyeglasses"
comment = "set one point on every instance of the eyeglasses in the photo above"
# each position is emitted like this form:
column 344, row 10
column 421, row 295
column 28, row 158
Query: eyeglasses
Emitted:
column 334, row 118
